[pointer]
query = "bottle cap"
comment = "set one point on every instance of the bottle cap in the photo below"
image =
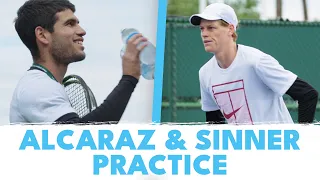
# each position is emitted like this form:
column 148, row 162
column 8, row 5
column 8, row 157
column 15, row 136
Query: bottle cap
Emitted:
column 123, row 30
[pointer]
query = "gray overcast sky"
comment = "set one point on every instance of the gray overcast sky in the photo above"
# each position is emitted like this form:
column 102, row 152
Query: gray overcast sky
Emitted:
column 102, row 20
column 292, row 9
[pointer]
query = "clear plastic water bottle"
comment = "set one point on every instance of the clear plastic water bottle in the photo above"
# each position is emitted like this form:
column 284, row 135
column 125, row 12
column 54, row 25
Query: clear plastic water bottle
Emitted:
column 147, row 55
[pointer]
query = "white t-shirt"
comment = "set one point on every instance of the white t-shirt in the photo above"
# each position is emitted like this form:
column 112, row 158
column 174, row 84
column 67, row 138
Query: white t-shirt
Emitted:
column 249, row 91
column 38, row 99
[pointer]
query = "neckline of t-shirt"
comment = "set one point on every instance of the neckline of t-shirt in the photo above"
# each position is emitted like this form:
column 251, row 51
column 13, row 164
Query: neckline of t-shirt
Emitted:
column 226, row 70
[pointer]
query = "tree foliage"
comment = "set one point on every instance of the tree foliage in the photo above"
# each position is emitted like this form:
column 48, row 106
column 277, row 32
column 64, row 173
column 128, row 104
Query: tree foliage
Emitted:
column 245, row 9
column 182, row 7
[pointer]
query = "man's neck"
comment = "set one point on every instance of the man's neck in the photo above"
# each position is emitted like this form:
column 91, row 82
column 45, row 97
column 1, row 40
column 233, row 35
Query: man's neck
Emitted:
column 227, row 56
column 57, row 70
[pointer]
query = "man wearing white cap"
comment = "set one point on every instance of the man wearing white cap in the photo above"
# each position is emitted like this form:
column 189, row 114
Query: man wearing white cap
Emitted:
column 241, row 84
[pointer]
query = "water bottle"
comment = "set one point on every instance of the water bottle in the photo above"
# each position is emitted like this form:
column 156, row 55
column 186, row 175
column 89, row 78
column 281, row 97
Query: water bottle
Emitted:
column 147, row 55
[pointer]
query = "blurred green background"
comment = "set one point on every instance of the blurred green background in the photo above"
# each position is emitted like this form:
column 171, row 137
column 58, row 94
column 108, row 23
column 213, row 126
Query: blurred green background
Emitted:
column 294, row 44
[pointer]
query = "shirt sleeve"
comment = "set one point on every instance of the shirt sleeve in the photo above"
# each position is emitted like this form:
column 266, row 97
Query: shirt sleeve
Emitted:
column 44, row 104
column 207, row 102
column 274, row 75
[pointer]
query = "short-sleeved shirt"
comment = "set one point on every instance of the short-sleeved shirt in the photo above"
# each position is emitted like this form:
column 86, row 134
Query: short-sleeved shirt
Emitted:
column 38, row 99
column 249, row 91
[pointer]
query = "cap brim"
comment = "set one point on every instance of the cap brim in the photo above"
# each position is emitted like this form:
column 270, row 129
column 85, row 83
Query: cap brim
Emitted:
column 196, row 19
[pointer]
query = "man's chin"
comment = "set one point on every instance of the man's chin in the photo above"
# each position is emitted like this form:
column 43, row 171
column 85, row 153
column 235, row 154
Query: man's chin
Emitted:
column 79, row 57
column 209, row 50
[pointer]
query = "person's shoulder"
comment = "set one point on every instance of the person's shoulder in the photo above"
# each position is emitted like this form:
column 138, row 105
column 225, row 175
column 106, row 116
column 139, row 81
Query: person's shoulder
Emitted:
column 252, row 54
column 252, row 51
column 36, row 84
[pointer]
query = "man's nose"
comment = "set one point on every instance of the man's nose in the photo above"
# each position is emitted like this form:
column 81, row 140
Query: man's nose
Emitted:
column 81, row 31
column 204, row 33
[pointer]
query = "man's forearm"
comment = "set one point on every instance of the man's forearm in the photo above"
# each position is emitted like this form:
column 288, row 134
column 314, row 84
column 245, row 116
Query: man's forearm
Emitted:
column 307, row 98
column 215, row 117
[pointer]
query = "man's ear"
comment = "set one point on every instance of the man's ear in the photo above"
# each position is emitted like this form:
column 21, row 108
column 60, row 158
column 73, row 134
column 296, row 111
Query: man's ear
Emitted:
column 231, row 29
column 42, row 35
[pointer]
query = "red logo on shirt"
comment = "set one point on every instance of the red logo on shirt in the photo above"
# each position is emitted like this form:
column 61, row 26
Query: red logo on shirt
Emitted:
column 231, row 97
column 228, row 116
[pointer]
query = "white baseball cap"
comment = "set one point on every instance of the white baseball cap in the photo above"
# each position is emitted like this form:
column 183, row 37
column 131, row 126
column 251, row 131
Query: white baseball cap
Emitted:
column 216, row 11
